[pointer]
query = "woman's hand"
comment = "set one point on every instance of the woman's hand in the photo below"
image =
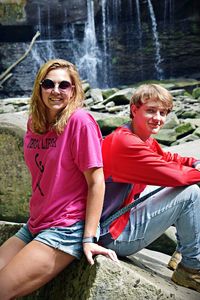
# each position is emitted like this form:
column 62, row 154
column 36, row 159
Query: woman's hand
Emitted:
column 91, row 249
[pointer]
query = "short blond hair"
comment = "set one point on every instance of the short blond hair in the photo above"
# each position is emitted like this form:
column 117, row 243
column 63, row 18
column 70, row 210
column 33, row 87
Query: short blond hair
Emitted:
column 157, row 92
column 38, row 112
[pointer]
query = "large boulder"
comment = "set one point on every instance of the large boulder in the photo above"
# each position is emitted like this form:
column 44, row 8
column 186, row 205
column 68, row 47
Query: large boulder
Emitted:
column 15, row 183
column 143, row 275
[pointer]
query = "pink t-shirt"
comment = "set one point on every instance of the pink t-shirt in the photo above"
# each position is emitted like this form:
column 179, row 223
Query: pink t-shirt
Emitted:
column 57, row 163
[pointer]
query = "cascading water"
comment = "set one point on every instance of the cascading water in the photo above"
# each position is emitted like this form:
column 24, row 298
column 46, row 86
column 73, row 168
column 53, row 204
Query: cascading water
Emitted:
column 158, row 59
column 88, row 62
column 43, row 49
column 95, row 63
column 168, row 12
column 49, row 43
column 168, row 26
column 139, row 35
column 104, row 37
column 113, row 42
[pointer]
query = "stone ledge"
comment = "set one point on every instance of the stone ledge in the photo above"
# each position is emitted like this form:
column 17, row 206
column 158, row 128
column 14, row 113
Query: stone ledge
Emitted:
column 137, row 277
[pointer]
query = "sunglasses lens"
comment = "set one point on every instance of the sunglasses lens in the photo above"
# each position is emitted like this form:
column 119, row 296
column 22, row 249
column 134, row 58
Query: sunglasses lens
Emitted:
column 47, row 84
column 64, row 85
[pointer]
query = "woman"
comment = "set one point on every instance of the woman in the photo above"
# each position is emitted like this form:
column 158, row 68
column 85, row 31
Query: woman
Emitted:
column 62, row 149
column 134, row 163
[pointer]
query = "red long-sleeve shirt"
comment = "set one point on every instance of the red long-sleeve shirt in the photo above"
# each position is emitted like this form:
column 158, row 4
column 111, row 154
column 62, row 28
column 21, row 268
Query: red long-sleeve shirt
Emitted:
column 128, row 159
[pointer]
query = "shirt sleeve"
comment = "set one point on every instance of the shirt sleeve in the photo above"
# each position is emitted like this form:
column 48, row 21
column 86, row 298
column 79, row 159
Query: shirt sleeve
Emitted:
column 128, row 159
column 86, row 146
column 168, row 156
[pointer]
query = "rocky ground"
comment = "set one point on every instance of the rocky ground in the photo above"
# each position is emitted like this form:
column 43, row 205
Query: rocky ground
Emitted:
column 110, row 108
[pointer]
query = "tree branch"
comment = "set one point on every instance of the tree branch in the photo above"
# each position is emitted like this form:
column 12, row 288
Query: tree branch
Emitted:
column 4, row 74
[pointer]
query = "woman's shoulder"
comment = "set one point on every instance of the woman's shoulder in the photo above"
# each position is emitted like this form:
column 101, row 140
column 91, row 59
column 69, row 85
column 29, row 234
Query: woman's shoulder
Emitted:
column 81, row 115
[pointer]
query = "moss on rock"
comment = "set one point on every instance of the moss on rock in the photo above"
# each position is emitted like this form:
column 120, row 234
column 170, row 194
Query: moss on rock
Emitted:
column 15, row 185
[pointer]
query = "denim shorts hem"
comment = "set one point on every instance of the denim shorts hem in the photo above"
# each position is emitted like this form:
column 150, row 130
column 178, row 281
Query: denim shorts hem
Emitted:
column 66, row 239
column 76, row 254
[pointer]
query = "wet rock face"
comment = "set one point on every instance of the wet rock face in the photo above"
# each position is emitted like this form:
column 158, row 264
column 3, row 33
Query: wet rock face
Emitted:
column 27, row 12
column 163, row 43
column 56, row 12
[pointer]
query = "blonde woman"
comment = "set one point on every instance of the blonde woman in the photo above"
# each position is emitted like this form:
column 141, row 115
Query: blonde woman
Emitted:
column 62, row 149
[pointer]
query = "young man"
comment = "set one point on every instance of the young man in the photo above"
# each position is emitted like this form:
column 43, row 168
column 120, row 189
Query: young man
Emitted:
column 134, row 164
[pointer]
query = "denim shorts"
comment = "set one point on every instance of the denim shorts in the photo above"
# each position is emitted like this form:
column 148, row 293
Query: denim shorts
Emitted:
column 66, row 239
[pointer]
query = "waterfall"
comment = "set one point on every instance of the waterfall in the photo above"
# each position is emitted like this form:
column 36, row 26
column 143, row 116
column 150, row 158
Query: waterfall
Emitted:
column 116, row 8
column 39, row 19
column 49, row 43
column 168, row 25
column 138, row 19
column 168, row 12
column 43, row 49
column 88, row 63
column 104, row 37
column 139, row 35
column 94, row 63
column 158, row 59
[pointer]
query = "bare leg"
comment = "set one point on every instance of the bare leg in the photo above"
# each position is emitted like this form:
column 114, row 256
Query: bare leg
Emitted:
column 31, row 268
column 9, row 249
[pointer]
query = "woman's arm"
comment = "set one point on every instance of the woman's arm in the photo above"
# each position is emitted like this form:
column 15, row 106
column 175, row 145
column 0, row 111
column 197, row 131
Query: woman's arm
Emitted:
column 95, row 197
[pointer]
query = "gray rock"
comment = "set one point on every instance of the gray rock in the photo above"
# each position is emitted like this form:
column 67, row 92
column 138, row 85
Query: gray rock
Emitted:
column 110, row 104
column 189, row 149
column 108, row 124
column 18, row 118
column 197, row 132
column 109, row 92
column 121, row 97
column 15, row 183
column 189, row 114
column 171, row 122
column 196, row 93
column 7, row 108
column 166, row 243
column 115, row 109
column 98, row 107
column 177, row 92
column 195, row 122
column 143, row 275
column 88, row 101
column 166, row 136
column 96, row 95
column 186, row 139
column 85, row 86
column 8, row 229
column 184, row 129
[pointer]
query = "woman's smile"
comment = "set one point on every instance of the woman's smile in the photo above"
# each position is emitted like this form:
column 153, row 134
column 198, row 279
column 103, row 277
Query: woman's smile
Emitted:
column 54, row 98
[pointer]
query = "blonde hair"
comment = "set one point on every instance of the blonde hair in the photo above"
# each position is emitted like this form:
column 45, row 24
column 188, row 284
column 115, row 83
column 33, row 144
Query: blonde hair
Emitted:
column 146, row 92
column 38, row 112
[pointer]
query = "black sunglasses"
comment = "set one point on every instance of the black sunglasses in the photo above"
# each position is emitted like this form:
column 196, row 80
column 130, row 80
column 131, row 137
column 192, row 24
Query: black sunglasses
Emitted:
column 47, row 84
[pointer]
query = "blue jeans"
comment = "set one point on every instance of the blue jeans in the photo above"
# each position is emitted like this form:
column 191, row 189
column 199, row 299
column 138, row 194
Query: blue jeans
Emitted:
column 179, row 206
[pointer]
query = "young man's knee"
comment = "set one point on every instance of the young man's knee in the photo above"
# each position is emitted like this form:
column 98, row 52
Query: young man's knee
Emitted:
column 194, row 189
column 193, row 192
